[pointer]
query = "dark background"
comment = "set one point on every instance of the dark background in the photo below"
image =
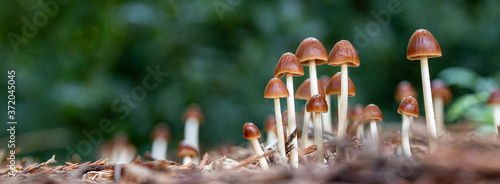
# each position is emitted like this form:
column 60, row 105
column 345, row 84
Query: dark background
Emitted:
column 220, row 54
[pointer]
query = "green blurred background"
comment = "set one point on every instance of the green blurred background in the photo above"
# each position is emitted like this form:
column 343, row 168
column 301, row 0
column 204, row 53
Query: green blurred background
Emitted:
column 221, row 54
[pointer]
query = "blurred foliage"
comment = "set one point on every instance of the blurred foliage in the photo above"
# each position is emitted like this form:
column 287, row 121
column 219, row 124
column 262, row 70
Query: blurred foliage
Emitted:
column 90, row 53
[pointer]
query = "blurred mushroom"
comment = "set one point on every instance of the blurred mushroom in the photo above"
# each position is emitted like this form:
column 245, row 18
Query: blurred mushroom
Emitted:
column 304, row 93
column 494, row 101
column 441, row 96
column 404, row 89
column 122, row 150
column 396, row 140
column 326, row 117
column 193, row 117
column 252, row 133
column 276, row 89
column 187, row 152
column 408, row 107
column 317, row 105
column 269, row 124
column 161, row 136
column 423, row 45
column 373, row 115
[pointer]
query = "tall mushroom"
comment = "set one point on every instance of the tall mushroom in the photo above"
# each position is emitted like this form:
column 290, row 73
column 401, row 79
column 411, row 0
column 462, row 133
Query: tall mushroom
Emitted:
column 276, row 89
column 187, row 152
column 311, row 52
column 441, row 95
column 326, row 117
column 269, row 124
column 494, row 101
column 373, row 115
column 317, row 105
column 161, row 136
column 304, row 93
column 408, row 107
column 193, row 117
column 252, row 133
column 423, row 45
column 289, row 66
column 343, row 54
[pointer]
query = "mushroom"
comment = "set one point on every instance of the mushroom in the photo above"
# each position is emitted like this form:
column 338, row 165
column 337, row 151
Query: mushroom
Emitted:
column 441, row 95
column 161, row 136
column 404, row 89
column 193, row 117
column 397, row 141
column 408, row 107
column 269, row 124
column 304, row 93
column 123, row 151
column 317, row 105
column 187, row 152
column 290, row 66
column 334, row 87
column 326, row 117
column 494, row 101
column 276, row 89
column 423, row 45
column 373, row 115
column 312, row 52
column 356, row 116
column 343, row 54
column 252, row 133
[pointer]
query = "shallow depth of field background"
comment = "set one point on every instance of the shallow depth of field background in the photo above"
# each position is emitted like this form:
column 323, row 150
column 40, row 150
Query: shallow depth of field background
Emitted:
column 221, row 54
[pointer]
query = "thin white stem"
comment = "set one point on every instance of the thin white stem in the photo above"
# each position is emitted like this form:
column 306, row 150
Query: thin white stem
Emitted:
column 313, row 77
column 304, row 137
column 360, row 131
column 341, row 152
column 374, row 131
column 258, row 151
column 429, row 111
column 279, row 127
column 338, row 103
column 327, row 117
column 270, row 137
column 292, row 123
column 191, row 132
column 186, row 160
column 496, row 115
column 318, row 137
column 438, row 109
column 405, row 137
column 399, row 151
column 159, row 148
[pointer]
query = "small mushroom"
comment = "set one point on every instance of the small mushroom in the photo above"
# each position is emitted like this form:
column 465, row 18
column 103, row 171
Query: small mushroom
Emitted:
column 252, row 133
column 494, row 101
column 441, row 95
column 373, row 115
column 276, row 89
column 269, row 124
column 355, row 116
column 193, row 117
column 161, row 136
column 404, row 89
column 317, row 105
column 187, row 152
column 304, row 93
column 423, row 45
column 396, row 140
column 408, row 107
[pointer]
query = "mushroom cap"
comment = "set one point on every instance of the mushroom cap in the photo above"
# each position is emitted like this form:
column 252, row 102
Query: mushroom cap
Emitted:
column 161, row 130
column 304, row 90
column 404, row 89
column 397, row 138
column 250, row 131
column 334, row 85
column 440, row 89
column 494, row 98
column 311, row 49
column 324, row 81
column 409, row 106
column 288, row 63
column 285, row 118
column 423, row 44
column 193, row 111
column 356, row 113
column 186, row 150
column 343, row 53
column 269, row 123
column 372, row 113
column 276, row 89
column 317, row 103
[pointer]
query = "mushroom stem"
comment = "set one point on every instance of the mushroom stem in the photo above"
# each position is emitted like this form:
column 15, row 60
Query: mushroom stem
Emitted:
column 294, row 155
column 313, row 77
column 270, row 137
column 360, row 131
column 405, row 136
column 496, row 114
column 399, row 151
column 342, row 111
column 374, row 131
column 304, row 138
column 279, row 127
column 327, row 117
column 159, row 149
column 186, row 160
column 258, row 151
column 438, row 109
column 191, row 132
column 318, row 137
column 429, row 111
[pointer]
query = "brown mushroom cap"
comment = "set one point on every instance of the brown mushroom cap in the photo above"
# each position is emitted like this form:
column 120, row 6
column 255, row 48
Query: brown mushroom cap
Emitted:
column 276, row 89
column 193, row 111
column 317, row 103
column 304, row 90
column 372, row 113
column 343, row 53
column 269, row 123
column 311, row 49
column 409, row 106
column 285, row 118
column 397, row 138
column 494, row 98
column 250, row 131
column 161, row 130
column 186, row 150
column 440, row 89
column 334, row 85
column 403, row 90
column 356, row 113
column 288, row 63
column 422, row 44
